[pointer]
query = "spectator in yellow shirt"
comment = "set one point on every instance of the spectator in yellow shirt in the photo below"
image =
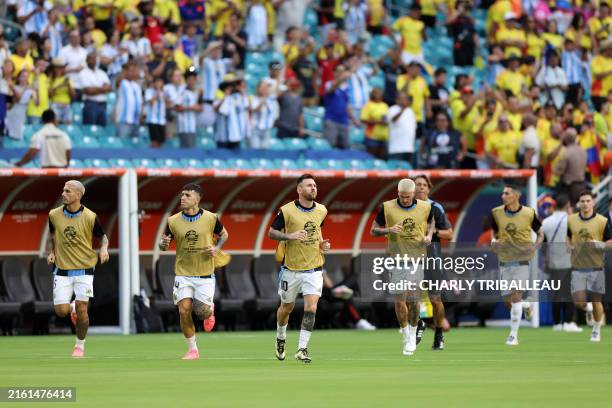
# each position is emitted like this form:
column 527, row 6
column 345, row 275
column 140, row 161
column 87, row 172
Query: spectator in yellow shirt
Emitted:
column 495, row 16
column 510, row 79
column 21, row 59
column 511, row 37
column 552, row 37
column 412, row 32
column 535, row 42
column 415, row 85
column 97, row 35
column 601, row 71
column 373, row 115
column 502, row 146
column 221, row 11
column 40, row 82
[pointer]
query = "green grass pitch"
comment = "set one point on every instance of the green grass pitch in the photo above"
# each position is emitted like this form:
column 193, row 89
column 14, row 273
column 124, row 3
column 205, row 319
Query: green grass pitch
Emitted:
column 349, row 368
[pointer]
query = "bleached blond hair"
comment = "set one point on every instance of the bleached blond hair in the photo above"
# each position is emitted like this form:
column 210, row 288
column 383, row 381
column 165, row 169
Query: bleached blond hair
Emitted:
column 406, row 186
column 77, row 185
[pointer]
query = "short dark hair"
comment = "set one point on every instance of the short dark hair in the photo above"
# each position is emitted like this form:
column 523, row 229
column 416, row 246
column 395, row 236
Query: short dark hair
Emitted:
column 424, row 177
column 562, row 200
column 439, row 71
column 303, row 177
column 585, row 193
column 48, row 116
column 513, row 186
column 193, row 187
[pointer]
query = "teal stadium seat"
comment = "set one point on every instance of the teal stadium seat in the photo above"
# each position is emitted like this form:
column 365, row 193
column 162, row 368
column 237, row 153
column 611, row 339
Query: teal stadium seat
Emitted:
column 354, row 164
column 318, row 143
column 74, row 163
column 276, row 144
column 120, row 163
column 96, row 163
column 146, row 163
column 376, row 164
column 333, row 164
column 215, row 164
column 192, row 163
column 111, row 142
column 314, row 123
column 172, row 142
column 88, row 142
column 10, row 143
column 206, row 143
column 295, row 143
column 286, row 164
column 239, row 164
column 399, row 165
column 310, row 164
column 263, row 164
column 168, row 164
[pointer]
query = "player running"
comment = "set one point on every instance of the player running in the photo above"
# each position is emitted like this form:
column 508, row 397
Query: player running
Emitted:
column 298, row 228
column 444, row 230
column 409, row 226
column 512, row 226
column 194, row 231
column 71, row 231
column 588, row 235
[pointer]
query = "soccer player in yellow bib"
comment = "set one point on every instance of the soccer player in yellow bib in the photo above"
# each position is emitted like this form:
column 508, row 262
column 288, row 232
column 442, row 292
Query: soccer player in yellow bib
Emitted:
column 512, row 226
column 298, row 228
column 409, row 226
column 71, row 230
column 194, row 230
column 588, row 236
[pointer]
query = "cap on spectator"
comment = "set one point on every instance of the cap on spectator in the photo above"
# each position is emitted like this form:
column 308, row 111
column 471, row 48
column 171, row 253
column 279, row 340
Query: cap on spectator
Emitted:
column 230, row 78
column 275, row 65
column 509, row 16
column 467, row 90
column 212, row 45
column 58, row 62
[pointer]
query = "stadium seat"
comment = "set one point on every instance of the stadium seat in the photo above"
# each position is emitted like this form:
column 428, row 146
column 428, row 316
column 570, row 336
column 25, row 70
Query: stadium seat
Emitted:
column 104, row 306
column 332, row 164
column 146, row 163
column 73, row 131
column 265, row 273
column 18, row 288
column 120, row 163
column 137, row 142
column 42, row 280
column 318, row 143
column 165, row 276
column 276, row 144
column 160, row 305
column 239, row 164
column 399, row 165
column 111, row 142
column 295, row 143
column 314, row 123
column 93, row 131
column 96, row 163
column 217, row 164
column 356, row 135
column 172, row 142
column 192, row 164
column 310, row 164
column 205, row 142
column 169, row 163
column 88, row 142
column 10, row 143
column 286, row 164
column 376, row 164
column 263, row 164
column 355, row 164
column 76, row 164
column 240, row 288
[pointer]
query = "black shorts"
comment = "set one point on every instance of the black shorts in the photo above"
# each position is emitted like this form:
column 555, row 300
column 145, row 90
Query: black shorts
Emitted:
column 157, row 133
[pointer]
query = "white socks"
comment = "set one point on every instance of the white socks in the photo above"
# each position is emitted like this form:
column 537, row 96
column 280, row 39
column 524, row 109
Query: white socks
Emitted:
column 411, row 330
column 515, row 318
column 597, row 326
column 281, row 332
column 80, row 344
column 191, row 342
column 304, row 338
column 72, row 307
column 405, row 332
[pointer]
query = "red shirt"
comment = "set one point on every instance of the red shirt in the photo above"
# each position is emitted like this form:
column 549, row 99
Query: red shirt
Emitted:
column 153, row 30
column 327, row 67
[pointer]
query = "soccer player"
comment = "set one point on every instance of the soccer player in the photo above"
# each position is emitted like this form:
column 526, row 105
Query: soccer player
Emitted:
column 194, row 231
column 298, row 228
column 444, row 230
column 588, row 235
column 408, row 225
column 71, row 230
column 512, row 226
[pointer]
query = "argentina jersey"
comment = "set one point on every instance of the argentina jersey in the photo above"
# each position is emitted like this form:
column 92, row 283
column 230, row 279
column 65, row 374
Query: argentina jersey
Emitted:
column 264, row 118
column 186, row 122
column 39, row 22
column 156, row 110
column 359, row 87
column 129, row 102
column 212, row 75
